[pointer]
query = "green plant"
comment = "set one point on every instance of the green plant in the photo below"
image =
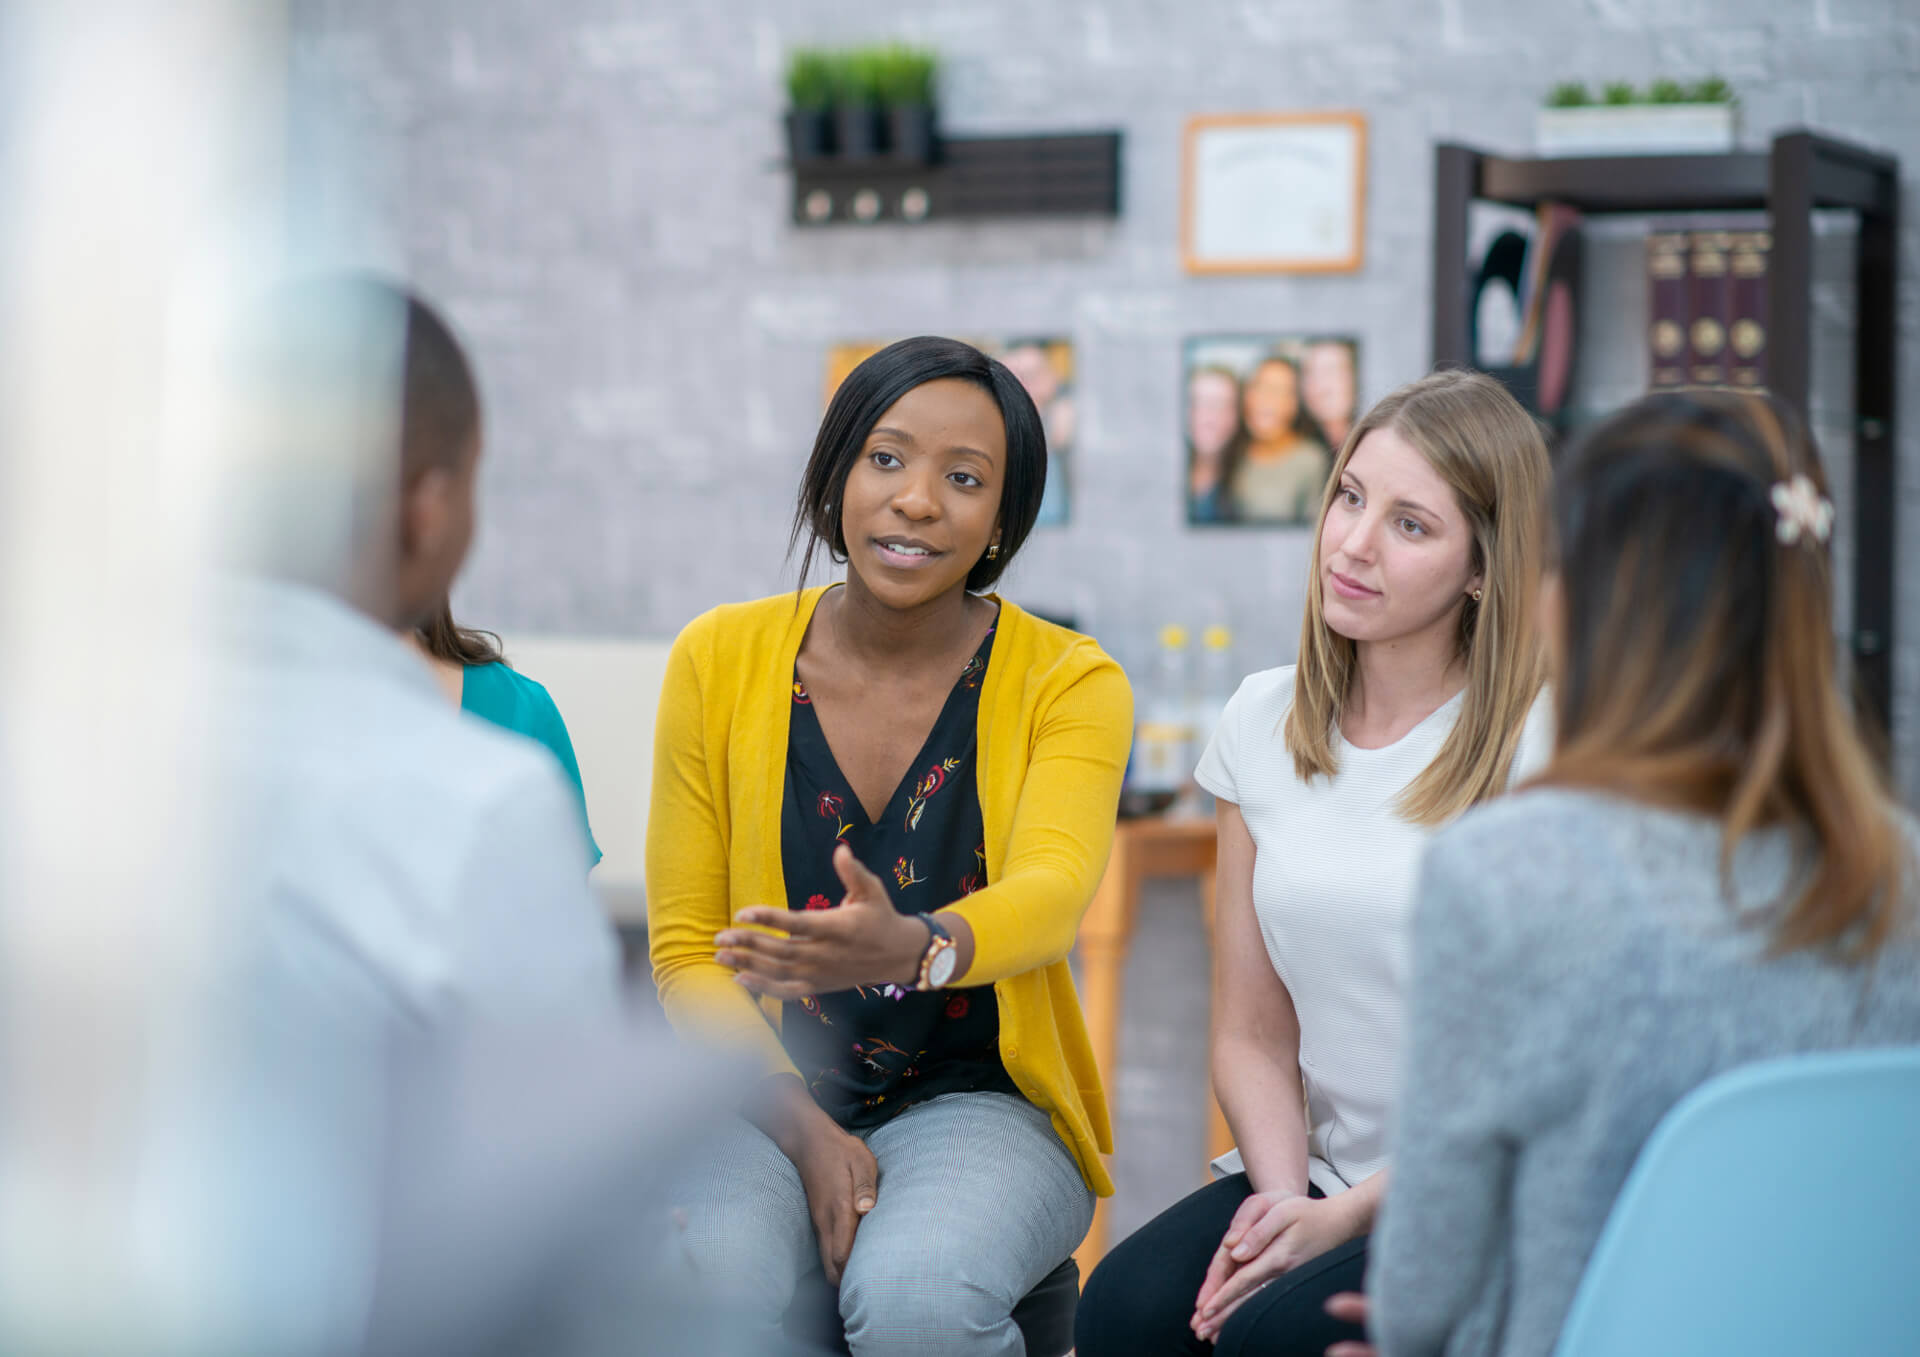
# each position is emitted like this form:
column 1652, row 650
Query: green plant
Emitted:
column 1569, row 94
column 1712, row 90
column 1667, row 92
column 809, row 79
column 856, row 77
column 1618, row 92
column 906, row 75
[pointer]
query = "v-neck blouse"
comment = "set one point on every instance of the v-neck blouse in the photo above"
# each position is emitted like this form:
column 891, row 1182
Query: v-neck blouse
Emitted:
column 871, row 1052
column 1055, row 720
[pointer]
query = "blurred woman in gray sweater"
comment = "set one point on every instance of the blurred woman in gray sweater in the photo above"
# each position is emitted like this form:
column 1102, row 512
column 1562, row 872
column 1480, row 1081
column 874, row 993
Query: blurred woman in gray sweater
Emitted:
column 1708, row 873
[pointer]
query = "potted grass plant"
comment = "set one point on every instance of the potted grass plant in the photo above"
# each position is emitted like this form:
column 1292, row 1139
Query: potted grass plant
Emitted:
column 809, row 104
column 857, row 118
column 1666, row 118
column 906, row 79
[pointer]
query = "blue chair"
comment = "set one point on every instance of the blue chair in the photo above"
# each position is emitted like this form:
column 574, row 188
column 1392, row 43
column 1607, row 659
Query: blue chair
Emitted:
column 1775, row 1212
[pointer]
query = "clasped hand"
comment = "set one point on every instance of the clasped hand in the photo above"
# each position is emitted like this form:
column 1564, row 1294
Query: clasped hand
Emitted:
column 863, row 942
column 1271, row 1233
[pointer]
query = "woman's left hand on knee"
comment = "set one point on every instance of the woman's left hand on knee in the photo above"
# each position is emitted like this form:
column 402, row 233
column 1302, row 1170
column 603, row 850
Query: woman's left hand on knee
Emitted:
column 1267, row 1238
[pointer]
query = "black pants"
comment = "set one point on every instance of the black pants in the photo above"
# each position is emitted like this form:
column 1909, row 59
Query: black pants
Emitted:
column 1139, row 1300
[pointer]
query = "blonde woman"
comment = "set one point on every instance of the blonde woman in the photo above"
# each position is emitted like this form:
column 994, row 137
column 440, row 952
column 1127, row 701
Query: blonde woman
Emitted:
column 1418, row 694
column 1709, row 872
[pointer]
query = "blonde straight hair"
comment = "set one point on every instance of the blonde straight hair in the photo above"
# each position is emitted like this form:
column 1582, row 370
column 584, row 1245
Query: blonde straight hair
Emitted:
column 1490, row 452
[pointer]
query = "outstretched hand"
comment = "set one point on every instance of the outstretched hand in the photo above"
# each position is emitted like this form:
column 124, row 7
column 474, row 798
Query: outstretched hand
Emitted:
column 865, row 941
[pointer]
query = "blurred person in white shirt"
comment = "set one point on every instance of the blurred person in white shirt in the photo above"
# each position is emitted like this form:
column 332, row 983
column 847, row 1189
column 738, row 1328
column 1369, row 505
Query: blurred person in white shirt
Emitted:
column 429, row 1125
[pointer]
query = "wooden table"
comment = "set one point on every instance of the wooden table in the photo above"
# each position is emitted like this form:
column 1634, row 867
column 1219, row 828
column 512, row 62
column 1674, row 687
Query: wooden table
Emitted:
column 1149, row 847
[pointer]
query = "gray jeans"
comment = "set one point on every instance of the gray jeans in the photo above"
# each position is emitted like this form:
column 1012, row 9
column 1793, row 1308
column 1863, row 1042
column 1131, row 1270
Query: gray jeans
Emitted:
column 978, row 1201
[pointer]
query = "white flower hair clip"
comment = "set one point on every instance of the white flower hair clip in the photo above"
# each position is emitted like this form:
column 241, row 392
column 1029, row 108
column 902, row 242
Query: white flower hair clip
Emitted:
column 1802, row 509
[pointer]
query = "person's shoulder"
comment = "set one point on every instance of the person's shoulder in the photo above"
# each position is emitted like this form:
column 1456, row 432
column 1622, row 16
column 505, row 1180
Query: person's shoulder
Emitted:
column 1266, row 692
column 1540, row 841
column 1047, row 647
column 415, row 768
column 1531, row 810
column 775, row 612
column 1260, row 703
column 512, row 701
column 501, row 687
column 484, row 762
column 745, row 632
column 1484, row 875
column 1034, row 631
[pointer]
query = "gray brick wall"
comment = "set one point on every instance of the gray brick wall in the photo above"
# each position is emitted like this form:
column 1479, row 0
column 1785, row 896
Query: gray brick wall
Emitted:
column 590, row 187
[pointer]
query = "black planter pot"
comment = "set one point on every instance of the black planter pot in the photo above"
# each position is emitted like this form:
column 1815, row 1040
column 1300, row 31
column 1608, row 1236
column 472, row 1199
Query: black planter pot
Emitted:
column 809, row 134
column 913, row 132
column 862, row 131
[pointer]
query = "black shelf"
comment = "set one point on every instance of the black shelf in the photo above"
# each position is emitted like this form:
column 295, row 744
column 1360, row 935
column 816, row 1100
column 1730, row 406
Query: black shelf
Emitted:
column 1672, row 183
column 1801, row 173
column 1068, row 175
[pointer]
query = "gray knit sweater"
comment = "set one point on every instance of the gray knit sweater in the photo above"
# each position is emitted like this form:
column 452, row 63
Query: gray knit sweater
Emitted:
column 1577, row 971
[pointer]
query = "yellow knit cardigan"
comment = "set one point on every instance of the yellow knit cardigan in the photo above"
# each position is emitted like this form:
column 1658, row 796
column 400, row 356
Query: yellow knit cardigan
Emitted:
column 1056, row 717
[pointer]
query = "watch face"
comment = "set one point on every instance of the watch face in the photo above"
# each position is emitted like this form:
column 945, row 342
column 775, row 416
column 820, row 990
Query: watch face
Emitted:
column 940, row 969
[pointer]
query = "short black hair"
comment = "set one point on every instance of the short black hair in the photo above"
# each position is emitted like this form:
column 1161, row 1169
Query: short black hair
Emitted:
column 440, row 401
column 869, row 391
column 313, row 331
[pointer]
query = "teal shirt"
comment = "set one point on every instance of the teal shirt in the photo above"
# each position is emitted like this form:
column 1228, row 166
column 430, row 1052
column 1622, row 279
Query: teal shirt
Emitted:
column 514, row 702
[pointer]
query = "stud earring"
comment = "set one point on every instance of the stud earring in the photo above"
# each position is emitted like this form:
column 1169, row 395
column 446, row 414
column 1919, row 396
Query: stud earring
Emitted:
column 993, row 551
column 1476, row 595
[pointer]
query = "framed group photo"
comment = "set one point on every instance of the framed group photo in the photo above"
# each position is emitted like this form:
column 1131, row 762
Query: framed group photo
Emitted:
column 1264, row 417
column 1045, row 366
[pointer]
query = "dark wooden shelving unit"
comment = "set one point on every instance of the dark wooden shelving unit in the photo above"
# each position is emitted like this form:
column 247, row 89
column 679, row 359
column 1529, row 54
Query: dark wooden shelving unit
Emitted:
column 1802, row 172
column 1075, row 174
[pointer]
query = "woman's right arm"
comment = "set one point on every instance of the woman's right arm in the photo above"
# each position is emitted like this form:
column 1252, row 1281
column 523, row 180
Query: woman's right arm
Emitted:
column 688, row 902
column 1255, row 1031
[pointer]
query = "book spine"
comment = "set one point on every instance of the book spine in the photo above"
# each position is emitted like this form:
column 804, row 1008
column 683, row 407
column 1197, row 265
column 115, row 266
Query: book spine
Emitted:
column 1707, row 302
column 1747, row 309
column 1666, row 309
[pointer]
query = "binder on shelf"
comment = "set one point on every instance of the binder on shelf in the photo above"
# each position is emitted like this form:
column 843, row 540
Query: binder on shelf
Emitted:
column 1707, row 301
column 1667, row 311
column 1747, row 309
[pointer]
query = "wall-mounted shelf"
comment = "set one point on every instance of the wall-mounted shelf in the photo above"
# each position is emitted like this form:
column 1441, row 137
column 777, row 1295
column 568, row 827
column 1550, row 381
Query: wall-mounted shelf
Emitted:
column 1071, row 175
column 1800, row 173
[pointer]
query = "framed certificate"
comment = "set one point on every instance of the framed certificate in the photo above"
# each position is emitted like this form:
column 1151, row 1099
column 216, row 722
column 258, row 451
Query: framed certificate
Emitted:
column 1274, row 193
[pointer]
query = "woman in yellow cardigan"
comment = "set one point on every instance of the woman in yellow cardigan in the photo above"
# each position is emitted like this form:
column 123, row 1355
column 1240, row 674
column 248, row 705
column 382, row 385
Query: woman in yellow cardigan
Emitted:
column 878, row 813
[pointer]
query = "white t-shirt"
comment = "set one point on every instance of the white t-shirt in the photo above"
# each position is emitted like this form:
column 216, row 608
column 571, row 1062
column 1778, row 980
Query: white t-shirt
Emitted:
column 1333, row 877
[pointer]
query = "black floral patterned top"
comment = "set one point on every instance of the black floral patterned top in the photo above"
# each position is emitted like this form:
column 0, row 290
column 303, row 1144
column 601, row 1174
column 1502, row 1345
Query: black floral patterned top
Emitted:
column 871, row 1052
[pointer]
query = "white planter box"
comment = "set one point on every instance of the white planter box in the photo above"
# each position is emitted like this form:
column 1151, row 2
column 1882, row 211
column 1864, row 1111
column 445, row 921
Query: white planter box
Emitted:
column 1635, row 129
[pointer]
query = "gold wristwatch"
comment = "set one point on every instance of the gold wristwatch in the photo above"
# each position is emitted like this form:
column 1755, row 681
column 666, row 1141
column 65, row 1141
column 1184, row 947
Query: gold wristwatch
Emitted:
column 938, row 961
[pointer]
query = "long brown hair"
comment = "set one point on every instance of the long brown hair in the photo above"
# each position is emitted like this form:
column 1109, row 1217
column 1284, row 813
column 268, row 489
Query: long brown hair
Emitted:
column 1697, row 665
column 447, row 640
column 1490, row 452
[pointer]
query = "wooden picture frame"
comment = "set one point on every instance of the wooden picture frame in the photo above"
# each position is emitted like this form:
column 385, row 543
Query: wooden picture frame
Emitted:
column 1273, row 193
